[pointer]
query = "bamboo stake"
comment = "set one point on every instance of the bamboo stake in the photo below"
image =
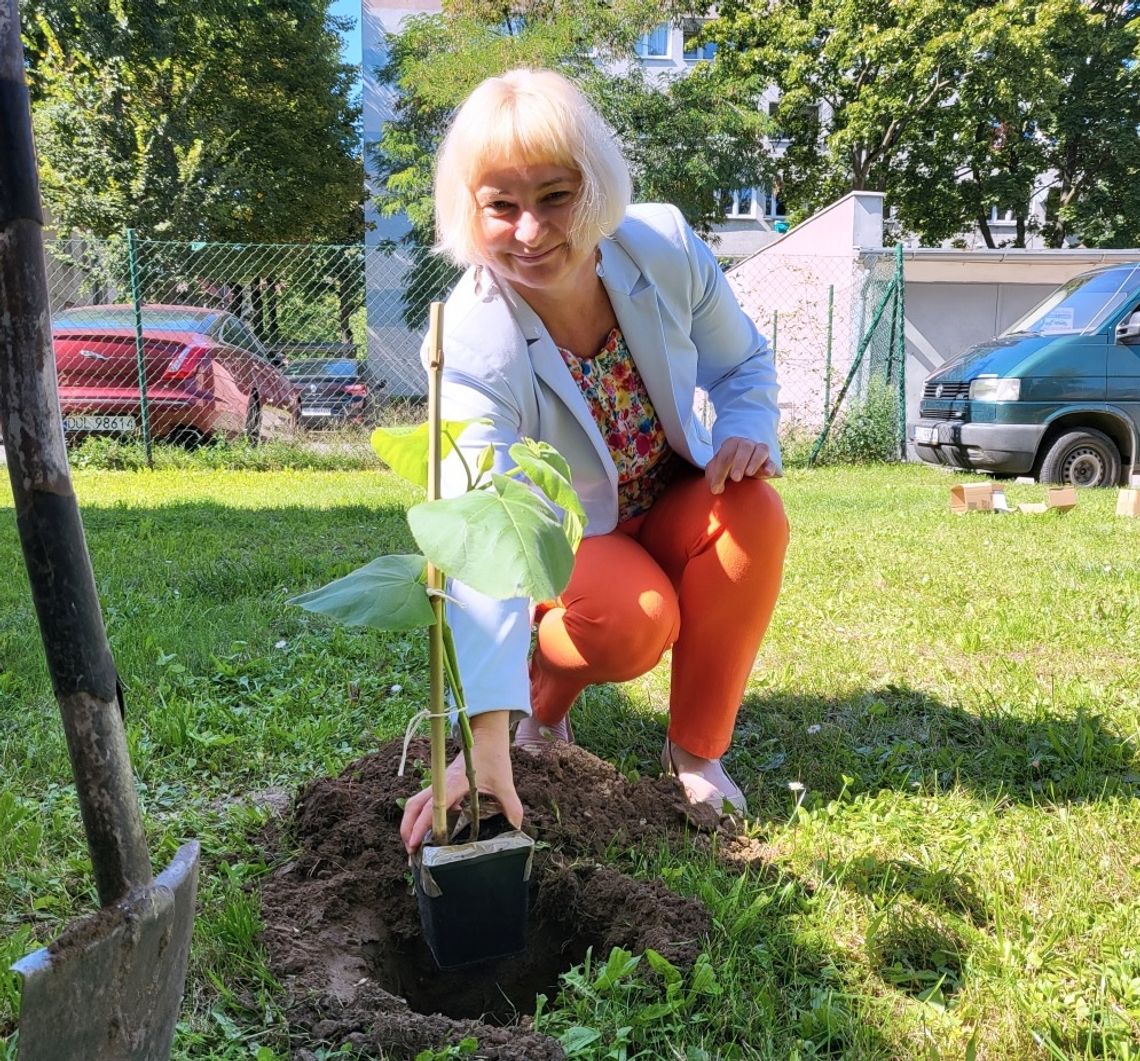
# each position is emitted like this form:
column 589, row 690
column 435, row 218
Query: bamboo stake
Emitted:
column 435, row 582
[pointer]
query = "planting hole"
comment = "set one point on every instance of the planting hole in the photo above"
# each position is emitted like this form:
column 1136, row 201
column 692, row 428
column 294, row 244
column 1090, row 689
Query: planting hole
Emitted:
column 342, row 927
column 497, row 992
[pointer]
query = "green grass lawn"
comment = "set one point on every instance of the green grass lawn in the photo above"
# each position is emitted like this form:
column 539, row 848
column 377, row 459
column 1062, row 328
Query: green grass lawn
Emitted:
column 941, row 744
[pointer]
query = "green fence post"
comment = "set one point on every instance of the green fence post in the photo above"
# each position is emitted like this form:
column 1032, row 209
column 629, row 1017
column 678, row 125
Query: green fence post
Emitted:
column 136, row 300
column 891, row 336
column 827, row 363
column 900, row 288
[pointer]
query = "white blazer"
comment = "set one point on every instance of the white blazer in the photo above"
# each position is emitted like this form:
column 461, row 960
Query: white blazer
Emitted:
column 684, row 329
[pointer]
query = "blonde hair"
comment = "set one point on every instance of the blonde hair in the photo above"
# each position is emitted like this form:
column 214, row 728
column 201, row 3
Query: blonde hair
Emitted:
column 527, row 117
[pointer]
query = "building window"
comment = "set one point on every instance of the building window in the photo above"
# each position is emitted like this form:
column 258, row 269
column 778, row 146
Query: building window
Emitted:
column 1003, row 213
column 752, row 203
column 739, row 203
column 690, row 28
column 655, row 43
column 808, row 114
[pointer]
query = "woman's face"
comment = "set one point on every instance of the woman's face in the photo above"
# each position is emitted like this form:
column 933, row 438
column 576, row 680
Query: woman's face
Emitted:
column 525, row 215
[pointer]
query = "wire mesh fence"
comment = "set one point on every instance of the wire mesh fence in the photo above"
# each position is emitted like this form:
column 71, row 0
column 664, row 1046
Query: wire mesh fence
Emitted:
column 835, row 326
column 317, row 343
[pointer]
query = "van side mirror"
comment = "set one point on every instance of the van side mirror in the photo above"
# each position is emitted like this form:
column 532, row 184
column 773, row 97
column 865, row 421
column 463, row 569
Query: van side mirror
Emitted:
column 1128, row 330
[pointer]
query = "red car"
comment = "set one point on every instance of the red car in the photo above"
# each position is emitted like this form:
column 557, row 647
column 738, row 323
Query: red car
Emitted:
column 207, row 374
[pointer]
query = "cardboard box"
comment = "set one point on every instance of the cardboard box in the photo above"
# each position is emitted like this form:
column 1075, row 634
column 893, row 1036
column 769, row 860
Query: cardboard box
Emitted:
column 1062, row 498
column 972, row 497
column 1128, row 502
column 1059, row 499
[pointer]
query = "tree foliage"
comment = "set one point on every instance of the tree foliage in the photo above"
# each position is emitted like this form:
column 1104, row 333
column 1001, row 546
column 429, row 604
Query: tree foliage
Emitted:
column 951, row 107
column 855, row 80
column 229, row 120
column 686, row 143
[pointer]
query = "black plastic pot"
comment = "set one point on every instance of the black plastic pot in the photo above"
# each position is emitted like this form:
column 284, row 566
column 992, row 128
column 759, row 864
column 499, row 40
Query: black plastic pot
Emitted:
column 474, row 898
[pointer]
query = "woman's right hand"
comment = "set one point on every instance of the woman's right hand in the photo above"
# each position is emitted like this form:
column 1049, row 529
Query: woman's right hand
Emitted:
column 491, row 757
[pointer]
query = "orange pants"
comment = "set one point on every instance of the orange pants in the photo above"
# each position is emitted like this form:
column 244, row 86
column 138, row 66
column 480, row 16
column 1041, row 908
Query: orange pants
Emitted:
column 699, row 573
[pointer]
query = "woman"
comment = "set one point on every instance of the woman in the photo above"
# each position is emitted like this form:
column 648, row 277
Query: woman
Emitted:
column 590, row 324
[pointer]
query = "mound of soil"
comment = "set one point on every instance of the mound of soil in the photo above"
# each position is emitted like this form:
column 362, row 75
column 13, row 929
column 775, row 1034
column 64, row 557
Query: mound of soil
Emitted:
column 342, row 926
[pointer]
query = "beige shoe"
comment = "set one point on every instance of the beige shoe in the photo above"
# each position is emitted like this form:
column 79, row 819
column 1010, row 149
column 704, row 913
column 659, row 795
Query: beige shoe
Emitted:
column 707, row 783
column 531, row 735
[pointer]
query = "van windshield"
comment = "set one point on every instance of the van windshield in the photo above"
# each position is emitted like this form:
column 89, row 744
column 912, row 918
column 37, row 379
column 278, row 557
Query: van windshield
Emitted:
column 1081, row 306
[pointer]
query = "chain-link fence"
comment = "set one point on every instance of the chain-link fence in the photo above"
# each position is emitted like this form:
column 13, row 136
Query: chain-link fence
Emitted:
column 835, row 323
column 195, row 341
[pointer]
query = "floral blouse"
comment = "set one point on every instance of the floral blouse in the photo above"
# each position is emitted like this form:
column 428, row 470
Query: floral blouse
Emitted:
column 616, row 395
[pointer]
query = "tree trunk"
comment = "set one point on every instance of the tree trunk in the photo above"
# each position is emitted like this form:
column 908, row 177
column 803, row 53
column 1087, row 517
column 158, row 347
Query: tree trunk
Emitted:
column 257, row 307
column 344, row 309
column 984, row 228
column 858, row 169
column 272, row 305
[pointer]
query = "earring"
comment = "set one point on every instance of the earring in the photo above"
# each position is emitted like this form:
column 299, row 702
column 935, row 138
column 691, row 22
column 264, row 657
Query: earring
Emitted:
column 599, row 268
column 478, row 281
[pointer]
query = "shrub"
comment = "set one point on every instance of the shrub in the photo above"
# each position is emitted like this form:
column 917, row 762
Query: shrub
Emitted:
column 869, row 432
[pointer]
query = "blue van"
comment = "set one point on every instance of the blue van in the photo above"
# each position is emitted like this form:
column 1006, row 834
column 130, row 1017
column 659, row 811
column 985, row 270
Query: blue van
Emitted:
column 1056, row 396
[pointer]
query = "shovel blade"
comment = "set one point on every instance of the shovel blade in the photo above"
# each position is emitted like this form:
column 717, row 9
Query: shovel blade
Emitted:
column 110, row 987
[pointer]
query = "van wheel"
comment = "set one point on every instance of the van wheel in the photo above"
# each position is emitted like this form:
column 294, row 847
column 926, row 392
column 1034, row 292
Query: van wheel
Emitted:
column 253, row 420
column 1082, row 458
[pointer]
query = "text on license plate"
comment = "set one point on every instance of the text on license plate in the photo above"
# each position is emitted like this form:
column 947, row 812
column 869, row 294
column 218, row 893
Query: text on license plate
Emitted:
column 98, row 423
column 927, row 436
column 317, row 412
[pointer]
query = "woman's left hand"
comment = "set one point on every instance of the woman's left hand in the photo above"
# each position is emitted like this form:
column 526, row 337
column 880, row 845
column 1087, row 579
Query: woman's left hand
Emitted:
column 739, row 458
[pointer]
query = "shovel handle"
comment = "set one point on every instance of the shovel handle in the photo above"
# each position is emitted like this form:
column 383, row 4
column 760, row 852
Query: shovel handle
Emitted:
column 435, row 581
column 47, row 514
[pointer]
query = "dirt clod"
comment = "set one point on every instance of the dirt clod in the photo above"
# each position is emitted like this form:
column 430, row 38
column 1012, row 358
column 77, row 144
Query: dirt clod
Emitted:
column 343, row 932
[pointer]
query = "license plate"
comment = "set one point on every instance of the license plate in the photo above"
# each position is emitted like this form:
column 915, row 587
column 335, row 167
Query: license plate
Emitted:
column 99, row 423
column 926, row 436
column 317, row 412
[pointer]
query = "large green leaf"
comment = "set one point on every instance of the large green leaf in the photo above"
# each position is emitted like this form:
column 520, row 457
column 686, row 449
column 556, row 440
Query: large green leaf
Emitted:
column 549, row 471
column 504, row 542
column 390, row 593
column 574, row 527
column 405, row 449
column 544, row 466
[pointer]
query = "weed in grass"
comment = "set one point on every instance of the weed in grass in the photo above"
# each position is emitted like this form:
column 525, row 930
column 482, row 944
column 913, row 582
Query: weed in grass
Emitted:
column 16, row 942
column 916, row 952
column 825, row 1025
column 468, row 1047
column 632, row 1003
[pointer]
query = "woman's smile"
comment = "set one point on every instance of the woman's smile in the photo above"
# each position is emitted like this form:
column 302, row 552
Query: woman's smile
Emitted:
column 531, row 257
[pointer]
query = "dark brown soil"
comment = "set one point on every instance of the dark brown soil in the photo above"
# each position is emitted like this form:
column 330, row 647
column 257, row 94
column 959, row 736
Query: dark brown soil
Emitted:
column 343, row 931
